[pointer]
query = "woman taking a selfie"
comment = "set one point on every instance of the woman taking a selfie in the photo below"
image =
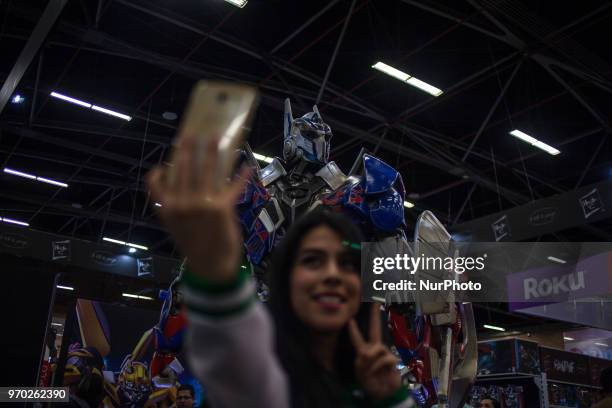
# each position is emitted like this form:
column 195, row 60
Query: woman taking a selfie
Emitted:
column 310, row 349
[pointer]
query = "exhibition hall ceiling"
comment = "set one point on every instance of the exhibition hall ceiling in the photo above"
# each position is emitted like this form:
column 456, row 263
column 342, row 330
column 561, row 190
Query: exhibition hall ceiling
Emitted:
column 500, row 66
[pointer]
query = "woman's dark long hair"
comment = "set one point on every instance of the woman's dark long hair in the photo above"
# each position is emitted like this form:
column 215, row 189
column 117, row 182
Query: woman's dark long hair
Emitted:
column 311, row 385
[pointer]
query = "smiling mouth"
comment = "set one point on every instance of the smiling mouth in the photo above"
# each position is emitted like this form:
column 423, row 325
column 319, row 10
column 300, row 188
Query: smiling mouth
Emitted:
column 329, row 299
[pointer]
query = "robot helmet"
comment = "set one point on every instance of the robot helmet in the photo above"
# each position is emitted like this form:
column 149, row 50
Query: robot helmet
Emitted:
column 307, row 137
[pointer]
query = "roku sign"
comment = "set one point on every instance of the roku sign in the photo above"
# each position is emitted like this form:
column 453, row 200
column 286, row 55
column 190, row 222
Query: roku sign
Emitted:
column 538, row 288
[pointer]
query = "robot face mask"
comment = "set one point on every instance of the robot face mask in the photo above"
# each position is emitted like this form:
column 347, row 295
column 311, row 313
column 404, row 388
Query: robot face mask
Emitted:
column 307, row 137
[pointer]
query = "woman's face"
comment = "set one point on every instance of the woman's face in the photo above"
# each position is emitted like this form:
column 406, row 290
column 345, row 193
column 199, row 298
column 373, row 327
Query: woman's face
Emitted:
column 325, row 284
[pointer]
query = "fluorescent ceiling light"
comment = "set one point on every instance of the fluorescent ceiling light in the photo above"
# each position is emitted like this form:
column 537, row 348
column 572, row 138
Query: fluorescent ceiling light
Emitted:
column 557, row 260
column 56, row 324
column 409, row 79
column 115, row 241
column 238, row 3
column 568, row 338
column 137, row 246
column 111, row 112
column 389, row 70
column 33, row 177
column 263, row 158
column 69, row 99
column 11, row 221
column 601, row 344
column 136, row 296
column 64, row 287
column 90, row 106
column 19, row 173
column 49, row 181
column 488, row 326
column 408, row 204
column 424, row 86
column 535, row 142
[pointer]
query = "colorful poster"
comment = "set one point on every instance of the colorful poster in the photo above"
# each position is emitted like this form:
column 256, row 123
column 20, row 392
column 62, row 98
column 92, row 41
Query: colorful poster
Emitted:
column 128, row 357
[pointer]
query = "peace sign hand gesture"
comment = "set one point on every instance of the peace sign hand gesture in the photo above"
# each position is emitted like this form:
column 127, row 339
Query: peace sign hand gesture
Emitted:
column 375, row 365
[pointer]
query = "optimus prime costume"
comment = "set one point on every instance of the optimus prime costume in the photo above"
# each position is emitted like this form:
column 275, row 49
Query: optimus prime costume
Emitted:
column 436, row 340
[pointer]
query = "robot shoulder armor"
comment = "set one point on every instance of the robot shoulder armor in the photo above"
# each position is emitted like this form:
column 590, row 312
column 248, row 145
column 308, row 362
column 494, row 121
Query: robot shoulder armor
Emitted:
column 379, row 176
column 272, row 172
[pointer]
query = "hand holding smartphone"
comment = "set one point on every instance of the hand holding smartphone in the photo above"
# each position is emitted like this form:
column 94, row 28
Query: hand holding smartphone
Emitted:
column 216, row 111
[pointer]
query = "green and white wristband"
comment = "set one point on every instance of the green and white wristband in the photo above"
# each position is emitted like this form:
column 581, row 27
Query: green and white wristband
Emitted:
column 214, row 300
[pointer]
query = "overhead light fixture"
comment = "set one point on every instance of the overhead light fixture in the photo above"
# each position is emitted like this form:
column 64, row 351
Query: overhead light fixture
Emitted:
column 389, row 70
column 424, row 86
column 557, row 260
column 57, row 324
column 129, row 295
column 144, row 248
column 117, row 241
column 64, row 287
column 408, row 204
column 19, row 173
column 568, row 338
column 409, row 79
column 49, row 181
column 132, row 250
column 534, row 142
column 33, row 177
column 111, row 112
column 114, row 241
column 158, row 205
column 90, row 106
column 488, row 326
column 263, row 158
column 238, row 3
column 601, row 344
column 17, row 99
column 70, row 99
column 12, row 221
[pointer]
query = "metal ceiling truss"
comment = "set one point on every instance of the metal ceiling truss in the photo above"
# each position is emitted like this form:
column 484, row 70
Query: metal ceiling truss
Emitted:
column 448, row 162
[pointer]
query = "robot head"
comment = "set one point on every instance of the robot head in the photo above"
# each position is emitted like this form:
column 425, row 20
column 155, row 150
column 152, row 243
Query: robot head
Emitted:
column 84, row 374
column 134, row 383
column 307, row 137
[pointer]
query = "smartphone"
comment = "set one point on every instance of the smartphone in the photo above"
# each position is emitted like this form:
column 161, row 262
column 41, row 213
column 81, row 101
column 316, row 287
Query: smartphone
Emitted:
column 218, row 110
